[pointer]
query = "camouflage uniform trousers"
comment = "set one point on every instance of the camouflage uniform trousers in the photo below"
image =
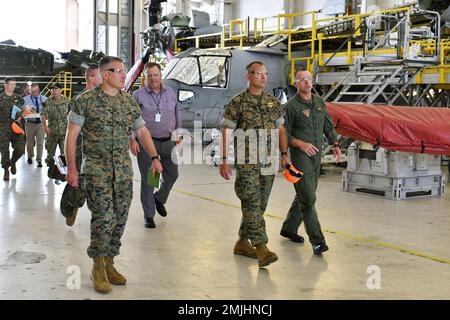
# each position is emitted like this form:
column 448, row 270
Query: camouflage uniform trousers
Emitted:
column 109, row 201
column 253, row 189
column 18, row 144
column 51, row 143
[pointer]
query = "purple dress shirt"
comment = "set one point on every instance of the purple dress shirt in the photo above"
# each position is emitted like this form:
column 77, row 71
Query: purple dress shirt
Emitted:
column 168, row 108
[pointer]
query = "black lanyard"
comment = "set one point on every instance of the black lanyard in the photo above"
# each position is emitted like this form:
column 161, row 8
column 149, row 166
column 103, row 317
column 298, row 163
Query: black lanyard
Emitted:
column 158, row 110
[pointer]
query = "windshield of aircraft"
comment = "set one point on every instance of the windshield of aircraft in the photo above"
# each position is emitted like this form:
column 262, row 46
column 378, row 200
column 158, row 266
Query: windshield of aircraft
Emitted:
column 207, row 71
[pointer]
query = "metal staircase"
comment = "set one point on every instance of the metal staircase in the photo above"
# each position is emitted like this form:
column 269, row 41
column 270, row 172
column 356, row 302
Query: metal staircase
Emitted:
column 370, row 83
column 381, row 82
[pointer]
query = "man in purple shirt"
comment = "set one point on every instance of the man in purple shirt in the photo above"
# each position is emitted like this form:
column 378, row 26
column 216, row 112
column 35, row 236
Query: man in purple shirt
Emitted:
column 162, row 118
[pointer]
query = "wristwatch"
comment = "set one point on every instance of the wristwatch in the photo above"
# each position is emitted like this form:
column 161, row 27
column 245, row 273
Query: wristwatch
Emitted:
column 284, row 153
column 336, row 144
column 157, row 157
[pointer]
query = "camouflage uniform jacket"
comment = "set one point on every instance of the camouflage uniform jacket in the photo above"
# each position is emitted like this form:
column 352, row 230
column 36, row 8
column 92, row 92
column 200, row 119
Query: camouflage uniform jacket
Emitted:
column 56, row 113
column 106, row 123
column 6, row 105
column 246, row 111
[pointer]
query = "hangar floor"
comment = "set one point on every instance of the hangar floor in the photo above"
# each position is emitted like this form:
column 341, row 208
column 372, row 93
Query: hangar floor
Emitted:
column 402, row 246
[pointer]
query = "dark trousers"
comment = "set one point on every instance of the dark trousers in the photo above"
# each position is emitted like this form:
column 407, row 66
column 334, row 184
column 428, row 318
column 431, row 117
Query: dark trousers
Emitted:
column 169, row 176
column 303, row 209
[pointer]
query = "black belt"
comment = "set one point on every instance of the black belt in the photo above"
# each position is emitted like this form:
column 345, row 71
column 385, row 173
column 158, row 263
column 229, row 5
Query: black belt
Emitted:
column 162, row 139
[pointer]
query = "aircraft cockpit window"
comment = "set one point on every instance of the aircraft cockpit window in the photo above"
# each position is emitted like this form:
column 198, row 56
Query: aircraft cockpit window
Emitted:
column 185, row 70
column 213, row 71
column 185, row 95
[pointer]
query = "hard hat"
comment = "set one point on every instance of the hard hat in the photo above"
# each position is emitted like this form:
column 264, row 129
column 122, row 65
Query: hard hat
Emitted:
column 16, row 129
column 291, row 174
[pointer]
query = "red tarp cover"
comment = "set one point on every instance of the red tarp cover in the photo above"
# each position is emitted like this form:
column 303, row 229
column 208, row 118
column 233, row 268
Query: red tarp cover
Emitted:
column 408, row 129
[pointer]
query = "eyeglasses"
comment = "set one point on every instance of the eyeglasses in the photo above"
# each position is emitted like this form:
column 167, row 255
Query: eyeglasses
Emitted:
column 116, row 70
column 303, row 79
column 260, row 73
column 153, row 75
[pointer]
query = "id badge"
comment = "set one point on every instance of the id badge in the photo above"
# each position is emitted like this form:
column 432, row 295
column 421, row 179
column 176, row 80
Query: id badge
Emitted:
column 158, row 117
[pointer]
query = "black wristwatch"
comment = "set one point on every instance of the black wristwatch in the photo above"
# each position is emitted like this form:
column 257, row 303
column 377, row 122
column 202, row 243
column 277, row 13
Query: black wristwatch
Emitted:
column 284, row 153
column 336, row 144
column 157, row 157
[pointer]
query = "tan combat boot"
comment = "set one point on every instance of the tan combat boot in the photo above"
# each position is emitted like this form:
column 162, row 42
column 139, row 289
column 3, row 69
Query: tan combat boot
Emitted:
column 113, row 276
column 265, row 257
column 70, row 220
column 101, row 283
column 244, row 248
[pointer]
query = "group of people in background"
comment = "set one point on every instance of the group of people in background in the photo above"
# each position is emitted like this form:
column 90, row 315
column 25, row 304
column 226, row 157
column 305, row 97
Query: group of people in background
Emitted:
column 99, row 167
column 48, row 123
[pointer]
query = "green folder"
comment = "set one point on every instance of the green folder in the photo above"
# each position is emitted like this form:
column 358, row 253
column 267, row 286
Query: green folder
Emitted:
column 153, row 180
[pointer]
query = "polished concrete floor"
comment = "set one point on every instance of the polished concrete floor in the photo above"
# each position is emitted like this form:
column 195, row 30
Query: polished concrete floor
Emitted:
column 379, row 249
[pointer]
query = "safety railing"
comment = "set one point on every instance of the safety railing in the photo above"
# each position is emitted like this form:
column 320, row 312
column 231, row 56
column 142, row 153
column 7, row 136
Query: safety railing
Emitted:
column 426, row 46
column 444, row 68
column 356, row 20
column 261, row 29
column 196, row 40
column 229, row 33
column 65, row 79
column 309, row 40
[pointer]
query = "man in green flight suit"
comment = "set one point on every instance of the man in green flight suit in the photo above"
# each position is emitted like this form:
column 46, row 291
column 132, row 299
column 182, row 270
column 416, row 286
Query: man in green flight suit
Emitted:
column 307, row 120
column 106, row 116
column 257, row 116
column 54, row 110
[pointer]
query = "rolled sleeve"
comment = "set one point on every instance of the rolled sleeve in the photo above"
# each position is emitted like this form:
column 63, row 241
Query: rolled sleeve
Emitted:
column 76, row 118
column 138, row 124
column 230, row 115
column 279, row 122
column 228, row 123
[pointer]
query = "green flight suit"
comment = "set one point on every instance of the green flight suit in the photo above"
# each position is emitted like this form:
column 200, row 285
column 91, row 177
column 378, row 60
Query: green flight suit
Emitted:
column 307, row 121
column 253, row 183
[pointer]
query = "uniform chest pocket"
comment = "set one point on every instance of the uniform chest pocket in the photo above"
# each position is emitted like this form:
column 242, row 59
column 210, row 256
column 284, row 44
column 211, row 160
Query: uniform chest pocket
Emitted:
column 319, row 116
column 250, row 118
column 124, row 120
column 303, row 119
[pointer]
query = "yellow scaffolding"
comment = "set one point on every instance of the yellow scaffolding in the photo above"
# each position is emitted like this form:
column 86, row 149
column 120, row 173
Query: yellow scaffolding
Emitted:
column 314, row 39
column 64, row 78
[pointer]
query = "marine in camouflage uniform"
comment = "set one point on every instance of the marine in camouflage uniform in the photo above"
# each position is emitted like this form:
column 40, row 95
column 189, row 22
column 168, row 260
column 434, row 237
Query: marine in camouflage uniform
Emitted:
column 55, row 111
column 106, row 122
column 7, row 136
column 253, row 181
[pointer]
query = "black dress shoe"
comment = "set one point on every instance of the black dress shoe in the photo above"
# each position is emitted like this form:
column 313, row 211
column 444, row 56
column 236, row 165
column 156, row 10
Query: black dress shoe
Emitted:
column 160, row 208
column 319, row 248
column 39, row 164
column 29, row 161
column 293, row 236
column 149, row 223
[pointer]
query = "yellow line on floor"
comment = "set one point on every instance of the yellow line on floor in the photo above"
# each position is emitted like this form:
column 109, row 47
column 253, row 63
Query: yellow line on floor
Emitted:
column 342, row 234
